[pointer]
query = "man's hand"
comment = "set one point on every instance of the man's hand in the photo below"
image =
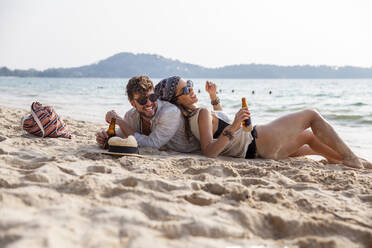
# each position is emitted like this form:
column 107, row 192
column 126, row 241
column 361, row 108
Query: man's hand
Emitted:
column 101, row 137
column 112, row 114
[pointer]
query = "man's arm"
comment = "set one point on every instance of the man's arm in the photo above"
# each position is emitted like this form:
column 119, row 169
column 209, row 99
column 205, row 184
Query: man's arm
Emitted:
column 125, row 128
column 165, row 126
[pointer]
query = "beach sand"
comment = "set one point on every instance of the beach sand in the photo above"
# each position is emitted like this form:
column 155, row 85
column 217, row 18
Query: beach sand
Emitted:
column 65, row 193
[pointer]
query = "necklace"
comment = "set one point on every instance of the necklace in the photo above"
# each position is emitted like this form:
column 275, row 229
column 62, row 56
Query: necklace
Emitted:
column 192, row 112
column 145, row 127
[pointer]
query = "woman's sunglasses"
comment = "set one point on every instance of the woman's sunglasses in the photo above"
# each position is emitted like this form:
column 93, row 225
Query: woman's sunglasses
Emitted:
column 143, row 100
column 185, row 90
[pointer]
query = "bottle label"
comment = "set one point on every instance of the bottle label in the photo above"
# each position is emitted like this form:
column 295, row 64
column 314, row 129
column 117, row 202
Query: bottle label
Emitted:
column 247, row 122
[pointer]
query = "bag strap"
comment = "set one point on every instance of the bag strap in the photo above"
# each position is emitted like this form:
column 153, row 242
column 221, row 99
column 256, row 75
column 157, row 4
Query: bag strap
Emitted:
column 23, row 120
column 37, row 120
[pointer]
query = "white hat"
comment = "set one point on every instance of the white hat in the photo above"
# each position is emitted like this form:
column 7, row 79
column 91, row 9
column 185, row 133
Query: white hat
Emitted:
column 122, row 147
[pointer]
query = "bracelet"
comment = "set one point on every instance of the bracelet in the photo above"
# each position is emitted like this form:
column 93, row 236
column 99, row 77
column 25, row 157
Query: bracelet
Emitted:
column 228, row 134
column 216, row 101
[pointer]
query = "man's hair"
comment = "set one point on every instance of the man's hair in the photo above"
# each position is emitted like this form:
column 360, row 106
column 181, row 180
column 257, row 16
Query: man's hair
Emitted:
column 139, row 85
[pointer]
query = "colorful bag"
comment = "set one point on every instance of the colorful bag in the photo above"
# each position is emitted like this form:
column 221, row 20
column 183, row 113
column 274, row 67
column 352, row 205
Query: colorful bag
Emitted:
column 44, row 122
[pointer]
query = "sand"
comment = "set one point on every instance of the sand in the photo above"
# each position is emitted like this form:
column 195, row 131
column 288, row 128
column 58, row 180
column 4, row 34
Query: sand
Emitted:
column 65, row 193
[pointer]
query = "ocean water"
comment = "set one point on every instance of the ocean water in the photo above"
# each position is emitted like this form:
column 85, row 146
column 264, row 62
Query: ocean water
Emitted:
column 345, row 103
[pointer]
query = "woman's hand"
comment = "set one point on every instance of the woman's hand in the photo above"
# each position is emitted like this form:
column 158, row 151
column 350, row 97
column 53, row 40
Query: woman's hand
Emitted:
column 240, row 116
column 112, row 114
column 211, row 88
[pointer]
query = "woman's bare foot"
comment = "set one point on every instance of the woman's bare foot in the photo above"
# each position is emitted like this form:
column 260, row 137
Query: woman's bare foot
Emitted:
column 352, row 161
column 366, row 164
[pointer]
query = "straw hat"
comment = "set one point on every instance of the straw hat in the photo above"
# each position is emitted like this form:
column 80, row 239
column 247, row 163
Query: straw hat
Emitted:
column 122, row 147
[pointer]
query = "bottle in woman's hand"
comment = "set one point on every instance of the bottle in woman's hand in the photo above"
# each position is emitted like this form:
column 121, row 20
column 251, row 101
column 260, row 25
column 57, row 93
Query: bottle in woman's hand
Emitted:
column 247, row 124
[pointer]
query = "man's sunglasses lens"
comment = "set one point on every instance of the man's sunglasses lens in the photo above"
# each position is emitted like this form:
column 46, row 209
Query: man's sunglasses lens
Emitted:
column 153, row 97
column 143, row 100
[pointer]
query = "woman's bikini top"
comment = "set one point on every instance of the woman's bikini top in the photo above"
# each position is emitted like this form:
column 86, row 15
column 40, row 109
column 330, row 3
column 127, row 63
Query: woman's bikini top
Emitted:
column 236, row 147
column 221, row 126
column 252, row 148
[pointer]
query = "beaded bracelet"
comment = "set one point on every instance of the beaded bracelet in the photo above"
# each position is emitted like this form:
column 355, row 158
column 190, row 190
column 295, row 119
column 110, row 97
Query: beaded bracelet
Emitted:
column 216, row 101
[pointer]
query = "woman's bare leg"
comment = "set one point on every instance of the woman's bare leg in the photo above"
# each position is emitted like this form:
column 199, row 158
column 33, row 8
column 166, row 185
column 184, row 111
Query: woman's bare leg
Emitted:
column 303, row 151
column 311, row 145
column 306, row 150
column 282, row 137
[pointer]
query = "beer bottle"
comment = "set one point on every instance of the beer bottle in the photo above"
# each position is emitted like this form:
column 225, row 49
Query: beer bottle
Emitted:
column 110, row 132
column 247, row 125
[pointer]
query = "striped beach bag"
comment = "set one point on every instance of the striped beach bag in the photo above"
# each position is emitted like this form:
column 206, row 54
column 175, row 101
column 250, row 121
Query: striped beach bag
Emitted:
column 44, row 122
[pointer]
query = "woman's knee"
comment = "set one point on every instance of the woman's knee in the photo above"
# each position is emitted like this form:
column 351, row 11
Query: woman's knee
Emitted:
column 312, row 114
column 311, row 111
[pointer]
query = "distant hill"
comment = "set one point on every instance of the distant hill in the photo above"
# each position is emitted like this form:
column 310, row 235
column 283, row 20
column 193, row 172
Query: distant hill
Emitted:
column 125, row 65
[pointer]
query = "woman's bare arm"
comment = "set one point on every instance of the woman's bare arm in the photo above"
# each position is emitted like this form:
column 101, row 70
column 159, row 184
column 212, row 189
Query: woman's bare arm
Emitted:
column 212, row 148
column 211, row 88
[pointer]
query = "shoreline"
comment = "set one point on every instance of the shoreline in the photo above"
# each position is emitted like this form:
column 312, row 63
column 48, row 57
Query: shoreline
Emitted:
column 60, row 192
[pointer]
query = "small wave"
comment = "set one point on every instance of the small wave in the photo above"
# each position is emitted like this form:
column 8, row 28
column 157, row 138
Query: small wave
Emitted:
column 327, row 95
column 294, row 109
column 112, row 103
column 31, row 95
column 365, row 122
column 358, row 104
column 321, row 94
column 273, row 110
column 344, row 117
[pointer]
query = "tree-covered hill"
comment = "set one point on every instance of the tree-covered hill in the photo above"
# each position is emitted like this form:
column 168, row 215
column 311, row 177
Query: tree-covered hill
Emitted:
column 128, row 64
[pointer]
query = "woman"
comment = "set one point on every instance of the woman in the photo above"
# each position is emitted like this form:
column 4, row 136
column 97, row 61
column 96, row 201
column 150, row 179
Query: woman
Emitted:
column 287, row 136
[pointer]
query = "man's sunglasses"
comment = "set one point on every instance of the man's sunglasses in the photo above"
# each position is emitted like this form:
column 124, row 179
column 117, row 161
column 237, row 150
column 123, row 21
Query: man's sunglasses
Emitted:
column 185, row 90
column 143, row 100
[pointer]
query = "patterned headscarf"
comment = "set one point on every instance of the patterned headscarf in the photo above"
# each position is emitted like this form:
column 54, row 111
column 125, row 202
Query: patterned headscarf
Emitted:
column 166, row 88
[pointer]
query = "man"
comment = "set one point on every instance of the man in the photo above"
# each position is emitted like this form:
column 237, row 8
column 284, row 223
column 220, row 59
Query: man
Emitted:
column 154, row 123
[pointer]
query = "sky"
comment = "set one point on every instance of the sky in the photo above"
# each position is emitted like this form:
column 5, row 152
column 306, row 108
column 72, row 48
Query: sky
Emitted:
column 43, row 34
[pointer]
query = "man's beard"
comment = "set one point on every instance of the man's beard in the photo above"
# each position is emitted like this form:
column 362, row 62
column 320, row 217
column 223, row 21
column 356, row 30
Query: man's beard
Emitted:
column 146, row 115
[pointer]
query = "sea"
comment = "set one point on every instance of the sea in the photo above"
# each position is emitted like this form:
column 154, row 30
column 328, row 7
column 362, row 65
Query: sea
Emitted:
column 345, row 103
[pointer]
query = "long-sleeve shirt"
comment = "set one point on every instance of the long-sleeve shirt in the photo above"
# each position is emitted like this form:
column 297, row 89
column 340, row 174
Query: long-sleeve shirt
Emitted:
column 167, row 128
